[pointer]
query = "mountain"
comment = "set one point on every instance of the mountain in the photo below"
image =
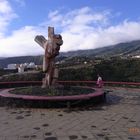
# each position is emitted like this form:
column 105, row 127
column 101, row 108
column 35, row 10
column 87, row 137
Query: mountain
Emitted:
column 121, row 49
column 1, row 57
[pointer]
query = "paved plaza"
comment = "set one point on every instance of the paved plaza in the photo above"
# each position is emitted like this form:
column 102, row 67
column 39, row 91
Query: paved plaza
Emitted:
column 117, row 119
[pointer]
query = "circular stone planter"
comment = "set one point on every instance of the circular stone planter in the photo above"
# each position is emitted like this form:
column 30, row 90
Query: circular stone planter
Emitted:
column 93, row 95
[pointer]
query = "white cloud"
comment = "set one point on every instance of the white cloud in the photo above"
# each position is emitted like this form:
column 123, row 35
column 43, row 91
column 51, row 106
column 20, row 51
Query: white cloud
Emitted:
column 94, row 38
column 85, row 29
column 4, row 7
column 81, row 29
column 21, row 42
column 83, row 16
column 6, row 15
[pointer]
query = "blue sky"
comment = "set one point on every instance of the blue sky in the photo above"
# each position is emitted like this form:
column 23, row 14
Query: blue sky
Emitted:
column 83, row 24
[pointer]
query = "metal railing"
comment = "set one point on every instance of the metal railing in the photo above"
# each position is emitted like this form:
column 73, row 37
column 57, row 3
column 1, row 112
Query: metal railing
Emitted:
column 91, row 83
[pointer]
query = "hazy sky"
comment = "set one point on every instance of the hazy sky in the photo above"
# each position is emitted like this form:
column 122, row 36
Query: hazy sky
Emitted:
column 83, row 24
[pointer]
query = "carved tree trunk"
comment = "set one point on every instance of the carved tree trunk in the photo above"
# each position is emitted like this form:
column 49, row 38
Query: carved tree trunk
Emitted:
column 48, row 65
column 47, row 81
column 51, row 47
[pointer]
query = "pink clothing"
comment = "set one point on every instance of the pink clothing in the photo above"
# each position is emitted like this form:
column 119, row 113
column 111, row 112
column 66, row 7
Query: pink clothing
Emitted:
column 99, row 82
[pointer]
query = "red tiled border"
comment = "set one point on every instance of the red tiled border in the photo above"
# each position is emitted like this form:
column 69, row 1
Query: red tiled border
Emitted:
column 7, row 94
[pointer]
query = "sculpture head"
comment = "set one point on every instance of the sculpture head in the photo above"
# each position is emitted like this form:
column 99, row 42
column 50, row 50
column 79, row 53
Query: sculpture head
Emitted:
column 52, row 47
column 57, row 38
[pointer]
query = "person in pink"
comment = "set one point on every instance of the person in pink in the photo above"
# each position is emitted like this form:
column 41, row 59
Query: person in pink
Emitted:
column 99, row 81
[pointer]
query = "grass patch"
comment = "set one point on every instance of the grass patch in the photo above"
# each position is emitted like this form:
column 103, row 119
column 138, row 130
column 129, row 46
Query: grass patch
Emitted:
column 53, row 91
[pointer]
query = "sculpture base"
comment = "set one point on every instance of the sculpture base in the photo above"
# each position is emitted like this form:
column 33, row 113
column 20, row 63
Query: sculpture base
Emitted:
column 53, row 97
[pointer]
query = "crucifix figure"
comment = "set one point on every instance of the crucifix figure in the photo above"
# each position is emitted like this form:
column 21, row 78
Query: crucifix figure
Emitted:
column 51, row 47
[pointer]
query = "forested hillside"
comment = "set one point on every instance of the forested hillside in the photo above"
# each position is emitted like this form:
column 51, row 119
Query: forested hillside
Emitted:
column 110, row 70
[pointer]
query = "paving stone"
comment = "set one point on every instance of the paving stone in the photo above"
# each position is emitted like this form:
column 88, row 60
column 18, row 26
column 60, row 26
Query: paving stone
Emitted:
column 11, row 138
column 60, row 133
column 63, row 138
column 110, row 121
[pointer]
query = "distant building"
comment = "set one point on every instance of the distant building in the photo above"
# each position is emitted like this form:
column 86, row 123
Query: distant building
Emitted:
column 11, row 66
column 85, row 62
column 26, row 65
column 137, row 56
column 31, row 65
column 21, row 68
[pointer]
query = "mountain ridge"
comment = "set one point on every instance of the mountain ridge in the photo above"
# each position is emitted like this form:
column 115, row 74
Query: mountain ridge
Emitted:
column 112, row 50
column 122, row 49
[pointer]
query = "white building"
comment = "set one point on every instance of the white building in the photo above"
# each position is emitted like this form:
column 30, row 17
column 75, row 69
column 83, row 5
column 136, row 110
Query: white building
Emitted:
column 31, row 65
column 21, row 68
column 11, row 66
column 26, row 65
column 136, row 56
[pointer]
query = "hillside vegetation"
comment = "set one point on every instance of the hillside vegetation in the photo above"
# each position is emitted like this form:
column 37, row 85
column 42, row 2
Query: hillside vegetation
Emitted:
column 110, row 70
column 127, row 70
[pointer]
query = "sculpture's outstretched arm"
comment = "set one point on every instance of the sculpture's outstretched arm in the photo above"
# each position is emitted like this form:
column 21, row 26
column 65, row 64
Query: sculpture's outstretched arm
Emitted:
column 40, row 39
